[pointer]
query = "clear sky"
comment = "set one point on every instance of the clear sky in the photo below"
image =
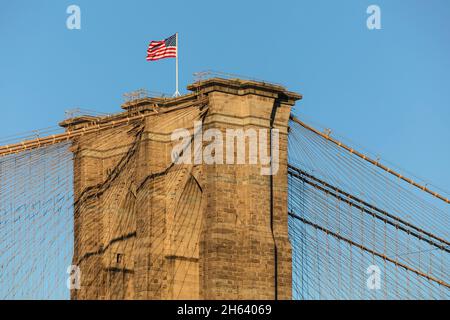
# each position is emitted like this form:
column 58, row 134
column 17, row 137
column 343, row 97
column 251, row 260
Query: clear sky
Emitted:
column 387, row 90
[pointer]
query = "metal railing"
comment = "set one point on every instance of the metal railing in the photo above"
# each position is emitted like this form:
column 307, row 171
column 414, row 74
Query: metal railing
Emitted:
column 208, row 74
column 77, row 112
column 142, row 94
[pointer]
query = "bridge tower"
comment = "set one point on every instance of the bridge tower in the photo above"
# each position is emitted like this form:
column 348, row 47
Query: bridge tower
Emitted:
column 146, row 228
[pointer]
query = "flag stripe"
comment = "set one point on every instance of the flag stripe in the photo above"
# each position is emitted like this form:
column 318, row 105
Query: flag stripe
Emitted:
column 166, row 48
column 162, row 55
column 172, row 54
column 161, row 50
column 154, row 59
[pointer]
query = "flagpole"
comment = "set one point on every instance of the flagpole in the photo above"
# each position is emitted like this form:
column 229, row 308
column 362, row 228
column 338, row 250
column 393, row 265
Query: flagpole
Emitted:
column 177, row 93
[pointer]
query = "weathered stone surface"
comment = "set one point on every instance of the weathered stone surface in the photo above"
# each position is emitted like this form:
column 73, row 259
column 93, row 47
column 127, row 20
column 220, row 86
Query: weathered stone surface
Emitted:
column 148, row 229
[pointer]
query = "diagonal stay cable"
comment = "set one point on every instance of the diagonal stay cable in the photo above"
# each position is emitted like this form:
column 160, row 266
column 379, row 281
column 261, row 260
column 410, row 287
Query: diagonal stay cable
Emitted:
column 326, row 187
column 376, row 163
column 355, row 244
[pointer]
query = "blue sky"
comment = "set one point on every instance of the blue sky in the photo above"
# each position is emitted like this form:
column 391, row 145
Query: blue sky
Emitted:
column 387, row 90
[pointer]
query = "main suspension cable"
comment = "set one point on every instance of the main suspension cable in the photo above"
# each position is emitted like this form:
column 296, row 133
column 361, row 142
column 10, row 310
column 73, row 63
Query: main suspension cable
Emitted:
column 374, row 162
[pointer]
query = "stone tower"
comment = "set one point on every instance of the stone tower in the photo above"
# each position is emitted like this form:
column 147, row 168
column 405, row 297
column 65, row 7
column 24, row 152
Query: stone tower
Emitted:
column 149, row 228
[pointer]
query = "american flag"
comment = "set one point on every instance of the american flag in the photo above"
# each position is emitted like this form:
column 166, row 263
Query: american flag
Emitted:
column 166, row 48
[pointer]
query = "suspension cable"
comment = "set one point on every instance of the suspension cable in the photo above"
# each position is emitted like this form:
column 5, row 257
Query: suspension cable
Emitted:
column 366, row 204
column 373, row 252
column 56, row 138
column 366, row 158
column 367, row 208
